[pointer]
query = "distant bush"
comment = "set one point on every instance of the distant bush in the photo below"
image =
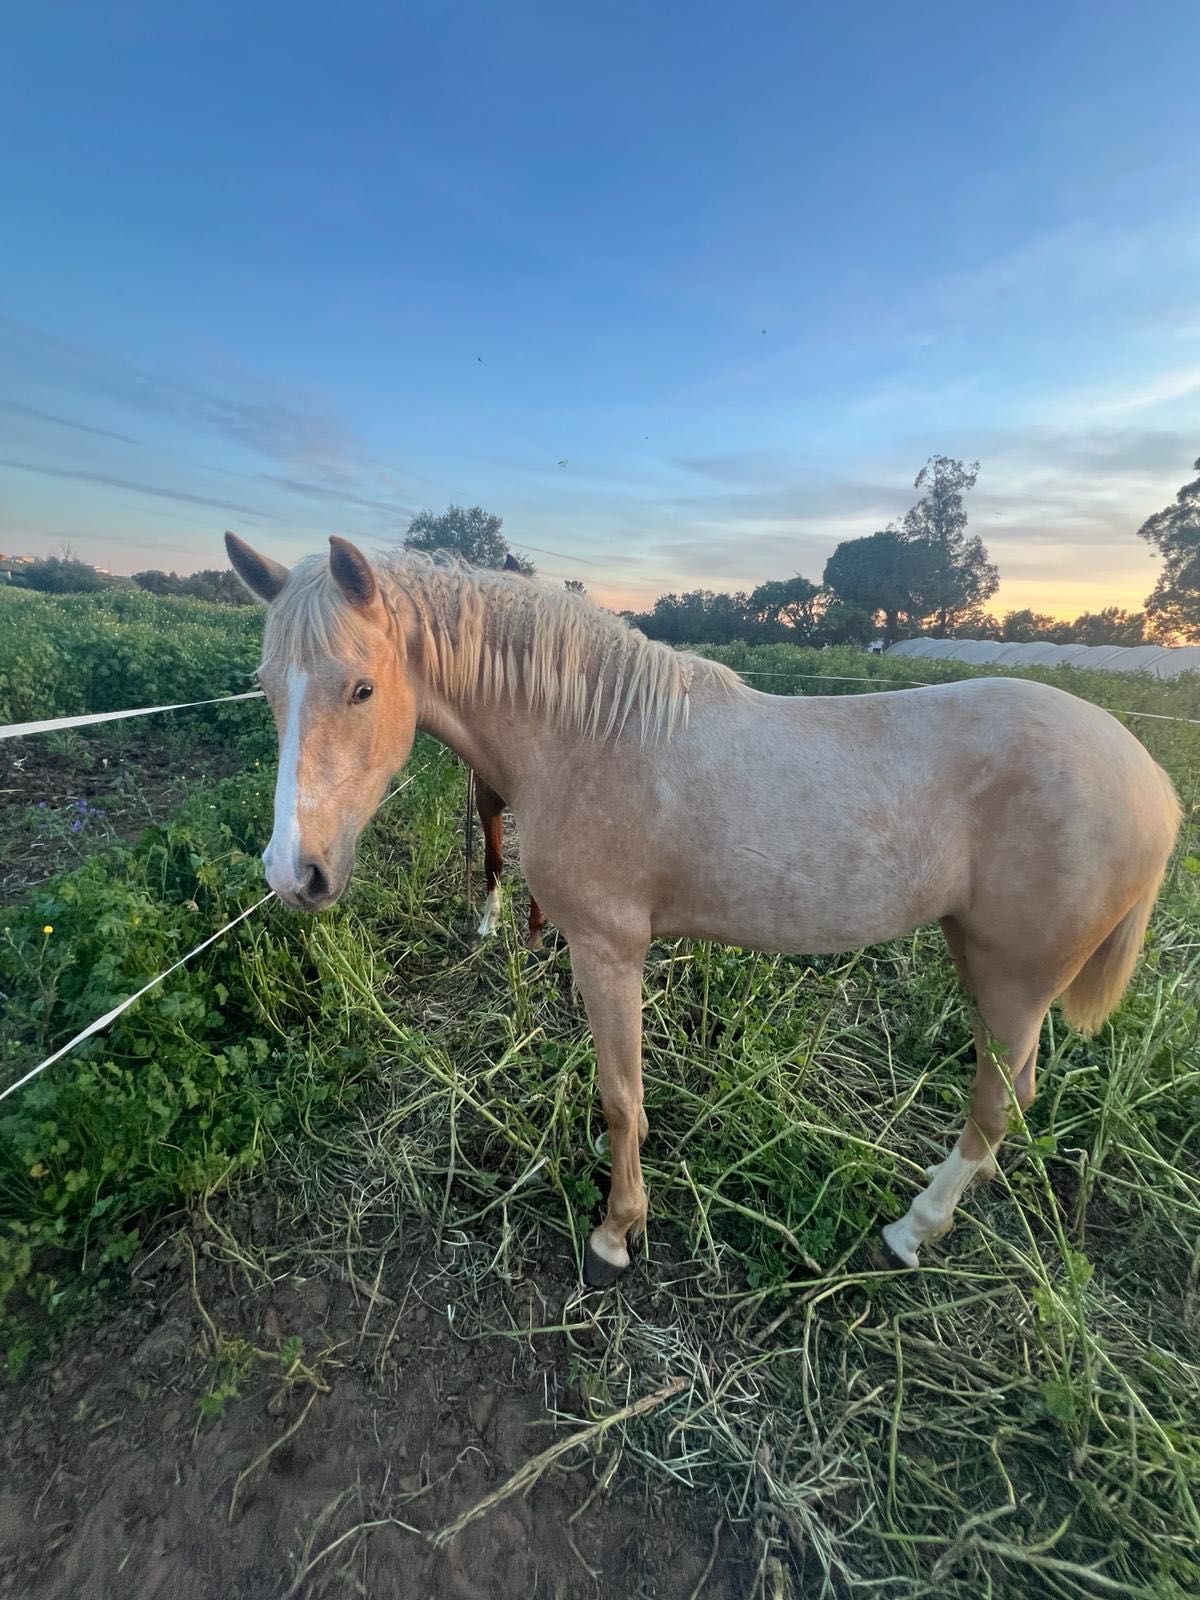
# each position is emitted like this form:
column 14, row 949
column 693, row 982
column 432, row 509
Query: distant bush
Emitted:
column 221, row 585
column 64, row 575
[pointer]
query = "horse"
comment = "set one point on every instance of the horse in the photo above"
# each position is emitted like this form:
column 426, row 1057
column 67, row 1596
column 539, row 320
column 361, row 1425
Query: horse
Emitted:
column 657, row 794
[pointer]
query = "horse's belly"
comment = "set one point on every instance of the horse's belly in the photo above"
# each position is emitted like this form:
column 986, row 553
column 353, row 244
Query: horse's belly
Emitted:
column 800, row 915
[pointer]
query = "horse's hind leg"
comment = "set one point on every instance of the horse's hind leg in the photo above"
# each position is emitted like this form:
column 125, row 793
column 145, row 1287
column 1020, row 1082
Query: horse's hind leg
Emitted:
column 537, row 922
column 1010, row 1009
column 491, row 819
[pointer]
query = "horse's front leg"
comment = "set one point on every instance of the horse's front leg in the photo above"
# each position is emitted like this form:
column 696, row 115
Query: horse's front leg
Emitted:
column 609, row 974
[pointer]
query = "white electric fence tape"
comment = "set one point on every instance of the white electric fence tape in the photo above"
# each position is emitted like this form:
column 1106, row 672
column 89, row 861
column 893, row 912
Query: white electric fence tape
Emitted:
column 18, row 730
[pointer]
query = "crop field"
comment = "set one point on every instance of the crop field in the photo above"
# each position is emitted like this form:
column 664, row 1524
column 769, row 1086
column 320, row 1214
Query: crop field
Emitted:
column 289, row 1253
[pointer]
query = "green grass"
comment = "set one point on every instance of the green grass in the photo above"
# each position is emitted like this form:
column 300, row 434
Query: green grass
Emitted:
column 1020, row 1417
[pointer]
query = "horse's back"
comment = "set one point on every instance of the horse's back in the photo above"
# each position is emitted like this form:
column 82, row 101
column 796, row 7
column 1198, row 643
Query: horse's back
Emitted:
column 823, row 823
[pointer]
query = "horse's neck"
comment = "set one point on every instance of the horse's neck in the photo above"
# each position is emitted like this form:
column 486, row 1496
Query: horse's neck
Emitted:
column 504, row 744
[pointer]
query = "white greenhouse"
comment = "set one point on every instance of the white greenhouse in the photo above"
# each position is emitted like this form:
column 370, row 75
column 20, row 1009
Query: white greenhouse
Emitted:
column 1156, row 659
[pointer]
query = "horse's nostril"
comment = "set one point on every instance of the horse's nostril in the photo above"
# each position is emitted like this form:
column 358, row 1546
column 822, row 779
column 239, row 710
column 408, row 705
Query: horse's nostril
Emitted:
column 316, row 884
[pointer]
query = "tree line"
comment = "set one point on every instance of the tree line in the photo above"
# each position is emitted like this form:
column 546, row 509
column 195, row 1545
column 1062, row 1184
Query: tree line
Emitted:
column 66, row 574
column 926, row 573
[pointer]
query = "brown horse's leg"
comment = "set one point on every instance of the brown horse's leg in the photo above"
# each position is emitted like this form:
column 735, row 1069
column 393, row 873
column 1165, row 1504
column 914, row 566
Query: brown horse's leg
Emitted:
column 537, row 923
column 1011, row 1008
column 609, row 975
column 491, row 819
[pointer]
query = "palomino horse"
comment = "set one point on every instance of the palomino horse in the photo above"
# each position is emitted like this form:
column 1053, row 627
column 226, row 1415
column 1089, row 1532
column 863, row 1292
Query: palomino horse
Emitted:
column 656, row 794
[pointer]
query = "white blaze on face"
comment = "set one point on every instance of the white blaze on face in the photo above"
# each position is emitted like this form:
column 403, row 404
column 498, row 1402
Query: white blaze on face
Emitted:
column 282, row 856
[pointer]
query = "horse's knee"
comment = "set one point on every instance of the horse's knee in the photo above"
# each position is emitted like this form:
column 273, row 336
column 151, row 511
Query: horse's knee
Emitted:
column 622, row 1112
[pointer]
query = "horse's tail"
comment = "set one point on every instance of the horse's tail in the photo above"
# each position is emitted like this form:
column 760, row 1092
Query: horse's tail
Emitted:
column 1105, row 975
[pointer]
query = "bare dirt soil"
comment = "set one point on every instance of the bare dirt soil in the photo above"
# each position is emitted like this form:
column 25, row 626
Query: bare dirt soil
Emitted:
column 58, row 805
column 227, row 1434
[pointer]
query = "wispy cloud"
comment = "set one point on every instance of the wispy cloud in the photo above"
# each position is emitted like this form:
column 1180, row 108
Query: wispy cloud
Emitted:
column 741, row 561
column 337, row 492
column 1077, row 258
column 16, row 408
column 289, row 441
column 738, row 466
column 261, row 415
column 1176, row 384
column 15, row 533
column 799, row 502
column 131, row 486
column 1103, row 449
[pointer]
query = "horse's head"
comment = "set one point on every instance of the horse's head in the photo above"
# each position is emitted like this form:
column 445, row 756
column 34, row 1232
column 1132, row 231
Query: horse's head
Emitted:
column 333, row 670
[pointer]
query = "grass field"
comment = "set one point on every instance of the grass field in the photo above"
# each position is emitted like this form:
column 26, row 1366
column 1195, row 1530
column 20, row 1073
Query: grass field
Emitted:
column 1021, row 1417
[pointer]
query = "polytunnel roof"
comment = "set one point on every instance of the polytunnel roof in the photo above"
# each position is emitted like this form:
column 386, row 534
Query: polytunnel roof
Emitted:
column 1162, row 661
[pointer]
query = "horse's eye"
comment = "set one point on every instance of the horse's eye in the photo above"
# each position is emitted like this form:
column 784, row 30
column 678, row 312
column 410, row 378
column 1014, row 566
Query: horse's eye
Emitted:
column 362, row 691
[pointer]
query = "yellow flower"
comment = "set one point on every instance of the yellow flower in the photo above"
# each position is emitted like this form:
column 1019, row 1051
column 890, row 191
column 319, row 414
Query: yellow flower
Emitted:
column 48, row 929
column 37, row 1170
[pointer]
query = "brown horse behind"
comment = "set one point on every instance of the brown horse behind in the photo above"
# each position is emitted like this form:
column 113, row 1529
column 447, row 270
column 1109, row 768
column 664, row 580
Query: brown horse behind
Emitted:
column 491, row 820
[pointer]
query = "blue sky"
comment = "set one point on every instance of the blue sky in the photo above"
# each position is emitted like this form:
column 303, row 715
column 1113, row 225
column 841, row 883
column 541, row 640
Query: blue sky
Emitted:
column 686, row 292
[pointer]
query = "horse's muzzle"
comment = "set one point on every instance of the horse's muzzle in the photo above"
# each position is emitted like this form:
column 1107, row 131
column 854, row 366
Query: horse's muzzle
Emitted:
column 314, row 887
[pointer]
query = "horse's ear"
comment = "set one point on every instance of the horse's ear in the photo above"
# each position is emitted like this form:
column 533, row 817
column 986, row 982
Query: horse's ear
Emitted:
column 262, row 576
column 351, row 572
column 511, row 564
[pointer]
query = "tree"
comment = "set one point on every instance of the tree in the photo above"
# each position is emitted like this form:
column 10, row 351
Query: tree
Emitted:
column 887, row 575
column 786, row 608
column 1027, row 626
column 697, row 617
column 962, row 577
column 1110, row 626
column 63, row 575
column 976, row 625
column 843, row 624
column 574, row 585
column 472, row 533
column 218, row 584
column 1173, row 610
column 155, row 581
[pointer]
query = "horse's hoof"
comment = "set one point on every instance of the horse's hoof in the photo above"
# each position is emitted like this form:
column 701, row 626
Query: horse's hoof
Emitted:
column 597, row 1272
column 898, row 1247
column 535, row 958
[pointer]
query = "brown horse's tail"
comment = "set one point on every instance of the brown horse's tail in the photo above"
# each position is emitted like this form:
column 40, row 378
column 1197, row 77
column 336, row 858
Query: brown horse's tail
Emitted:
column 1105, row 975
